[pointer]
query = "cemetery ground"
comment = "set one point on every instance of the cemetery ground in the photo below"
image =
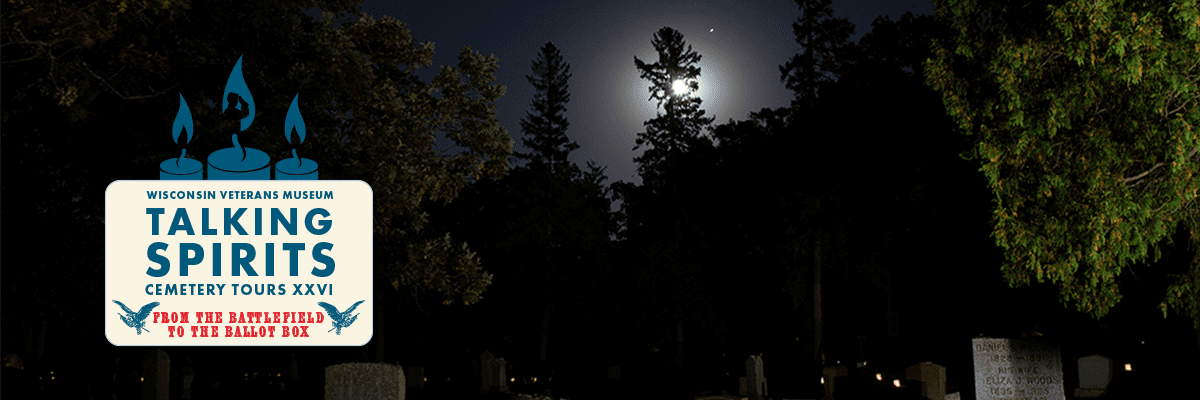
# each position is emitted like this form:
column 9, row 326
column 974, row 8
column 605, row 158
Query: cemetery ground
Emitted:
column 1162, row 367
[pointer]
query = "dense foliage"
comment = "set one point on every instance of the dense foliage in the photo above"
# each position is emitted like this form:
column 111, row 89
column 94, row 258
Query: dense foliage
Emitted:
column 1084, row 116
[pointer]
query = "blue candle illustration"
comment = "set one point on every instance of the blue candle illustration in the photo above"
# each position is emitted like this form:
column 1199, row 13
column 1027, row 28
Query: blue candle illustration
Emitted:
column 237, row 162
column 295, row 168
column 181, row 168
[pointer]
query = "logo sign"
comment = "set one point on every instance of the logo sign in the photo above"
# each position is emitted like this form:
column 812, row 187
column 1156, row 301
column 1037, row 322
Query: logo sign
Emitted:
column 238, row 263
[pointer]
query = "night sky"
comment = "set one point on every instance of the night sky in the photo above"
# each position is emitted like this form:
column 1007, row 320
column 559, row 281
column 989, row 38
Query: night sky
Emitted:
column 740, row 66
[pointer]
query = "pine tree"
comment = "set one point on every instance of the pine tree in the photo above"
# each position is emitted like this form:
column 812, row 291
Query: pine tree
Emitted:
column 678, row 126
column 825, row 40
column 546, row 128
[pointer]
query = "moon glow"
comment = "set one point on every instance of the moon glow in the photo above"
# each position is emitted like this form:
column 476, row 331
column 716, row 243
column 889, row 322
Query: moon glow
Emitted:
column 679, row 87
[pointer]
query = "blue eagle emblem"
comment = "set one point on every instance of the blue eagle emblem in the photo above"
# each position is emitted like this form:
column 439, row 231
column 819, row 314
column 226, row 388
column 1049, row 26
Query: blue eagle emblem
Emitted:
column 136, row 320
column 340, row 319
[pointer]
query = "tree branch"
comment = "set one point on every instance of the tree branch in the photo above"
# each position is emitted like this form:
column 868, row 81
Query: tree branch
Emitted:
column 1147, row 172
column 114, row 90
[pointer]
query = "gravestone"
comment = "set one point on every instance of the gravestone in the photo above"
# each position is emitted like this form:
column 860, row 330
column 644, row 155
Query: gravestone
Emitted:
column 487, row 370
column 415, row 377
column 189, row 376
column 156, row 375
column 1017, row 369
column 1095, row 373
column 830, row 374
column 367, row 381
column 755, row 386
column 742, row 390
column 501, row 379
column 293, row 369
column 932, row 378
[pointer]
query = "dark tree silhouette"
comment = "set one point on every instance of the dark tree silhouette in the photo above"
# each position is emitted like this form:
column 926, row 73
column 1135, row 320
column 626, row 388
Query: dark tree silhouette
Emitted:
column 546, row 128
column 679, row 125
column 825, row 40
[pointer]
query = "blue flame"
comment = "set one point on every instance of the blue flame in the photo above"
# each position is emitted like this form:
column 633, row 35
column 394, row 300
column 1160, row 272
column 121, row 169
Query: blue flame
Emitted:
column 183, row 119
column 237, row 84
column 294, row 119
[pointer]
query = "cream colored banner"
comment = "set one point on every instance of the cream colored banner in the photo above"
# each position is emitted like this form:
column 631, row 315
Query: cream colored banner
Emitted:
column 238, row 263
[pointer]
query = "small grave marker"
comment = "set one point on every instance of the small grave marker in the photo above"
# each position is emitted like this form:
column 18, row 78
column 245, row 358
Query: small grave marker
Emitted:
column 415, row 377
column 1095, row 373
column 932, row 378
column 156, row 375
column 830, row 374
column 366, row 381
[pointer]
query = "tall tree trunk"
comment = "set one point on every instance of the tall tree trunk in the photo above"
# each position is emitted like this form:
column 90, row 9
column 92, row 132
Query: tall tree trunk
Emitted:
column 380, row 337
column 679, row 340
column 817, row 301
column 893, row 323
column 545, row 333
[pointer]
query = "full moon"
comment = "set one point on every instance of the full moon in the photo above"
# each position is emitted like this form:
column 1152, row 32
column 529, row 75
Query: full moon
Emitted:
column 679, row 87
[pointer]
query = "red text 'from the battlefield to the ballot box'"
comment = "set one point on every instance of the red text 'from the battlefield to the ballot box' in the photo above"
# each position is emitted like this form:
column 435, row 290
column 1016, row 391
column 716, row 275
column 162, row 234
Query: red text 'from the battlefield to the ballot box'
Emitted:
column 255, row 323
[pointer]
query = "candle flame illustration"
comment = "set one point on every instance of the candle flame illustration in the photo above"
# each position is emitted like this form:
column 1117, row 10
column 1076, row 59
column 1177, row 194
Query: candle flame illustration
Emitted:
column 183, row 121
column 237, row 84
column 294, row 120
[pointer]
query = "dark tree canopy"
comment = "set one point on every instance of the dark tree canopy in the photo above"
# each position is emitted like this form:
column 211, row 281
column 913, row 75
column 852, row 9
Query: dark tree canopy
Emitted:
column 85, row 82
column 1084, row 119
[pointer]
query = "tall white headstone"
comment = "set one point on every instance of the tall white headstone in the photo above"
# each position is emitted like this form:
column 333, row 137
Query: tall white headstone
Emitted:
column 487, row 370
column 501, row 378
column 754, row 378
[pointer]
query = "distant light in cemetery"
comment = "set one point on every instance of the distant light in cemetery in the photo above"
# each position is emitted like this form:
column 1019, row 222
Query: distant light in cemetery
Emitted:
column 535, row 379
column 426, row 379
column 143, row 379
column 879, row 377
column 1129, row 367
column 896, row 382
column 512, row 379
column 822, row 380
